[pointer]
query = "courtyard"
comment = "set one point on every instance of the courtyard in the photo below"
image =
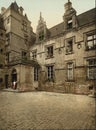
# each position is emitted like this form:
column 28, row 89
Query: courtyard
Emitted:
column 46, row 110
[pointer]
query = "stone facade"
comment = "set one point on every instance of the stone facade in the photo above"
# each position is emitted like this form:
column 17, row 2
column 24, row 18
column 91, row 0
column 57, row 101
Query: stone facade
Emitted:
column 59, row 59
column 19, row 37
column 2, row 52
column 65, row 55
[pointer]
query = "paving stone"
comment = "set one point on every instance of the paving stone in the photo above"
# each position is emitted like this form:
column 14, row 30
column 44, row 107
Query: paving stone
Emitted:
column 46, row 110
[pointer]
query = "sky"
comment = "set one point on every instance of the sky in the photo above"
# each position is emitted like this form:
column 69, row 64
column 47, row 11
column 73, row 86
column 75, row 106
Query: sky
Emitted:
column 52, row 10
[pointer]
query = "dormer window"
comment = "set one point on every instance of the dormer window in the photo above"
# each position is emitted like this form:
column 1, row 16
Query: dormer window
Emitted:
column 69, row 24
column 41, row 36
column 70, row 18
column 41, row 31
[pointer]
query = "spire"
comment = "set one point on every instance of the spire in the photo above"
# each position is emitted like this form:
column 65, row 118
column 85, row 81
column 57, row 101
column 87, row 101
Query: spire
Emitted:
column 40, row 15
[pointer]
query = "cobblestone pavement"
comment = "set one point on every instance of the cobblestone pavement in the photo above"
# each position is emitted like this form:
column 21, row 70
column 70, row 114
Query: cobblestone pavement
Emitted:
column 46, row 110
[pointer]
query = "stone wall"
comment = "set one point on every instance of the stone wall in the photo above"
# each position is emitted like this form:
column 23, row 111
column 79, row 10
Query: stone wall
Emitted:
column 80, row 84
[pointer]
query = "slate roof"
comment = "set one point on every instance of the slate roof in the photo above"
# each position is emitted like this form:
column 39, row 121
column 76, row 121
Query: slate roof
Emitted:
column 87, row 17
column 83, row 19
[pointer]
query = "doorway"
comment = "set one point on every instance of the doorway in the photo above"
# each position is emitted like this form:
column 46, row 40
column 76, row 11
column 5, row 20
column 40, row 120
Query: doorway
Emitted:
column 6, row 81
column 14, row 79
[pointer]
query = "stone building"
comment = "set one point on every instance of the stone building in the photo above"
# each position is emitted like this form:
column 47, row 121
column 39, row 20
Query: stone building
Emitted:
column 59, row 59
column 66, row 53
column 19, row 37
column 2, row 53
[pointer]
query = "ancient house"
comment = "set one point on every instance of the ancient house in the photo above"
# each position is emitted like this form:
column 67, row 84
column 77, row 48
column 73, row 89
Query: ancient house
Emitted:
column 19, row 37
column 59, row 59
column 66, row 53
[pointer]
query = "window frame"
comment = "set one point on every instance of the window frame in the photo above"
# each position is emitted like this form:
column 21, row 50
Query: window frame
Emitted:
column 8, row 57
column 41, row 35
column 36, row 73
column 34, row 54
column 50, row 73
column 68, row 71
column 67, row 45
column 91, row 69
column 24, row 26
column 24, row 54
column 92, row 40
column 50, row 51
column 7, row 39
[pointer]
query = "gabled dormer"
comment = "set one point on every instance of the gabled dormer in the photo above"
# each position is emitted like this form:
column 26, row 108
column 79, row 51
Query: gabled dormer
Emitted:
column 41, row 31
column 70, row 18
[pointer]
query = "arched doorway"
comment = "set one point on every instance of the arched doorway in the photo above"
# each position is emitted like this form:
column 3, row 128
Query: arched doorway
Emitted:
column 14, row 79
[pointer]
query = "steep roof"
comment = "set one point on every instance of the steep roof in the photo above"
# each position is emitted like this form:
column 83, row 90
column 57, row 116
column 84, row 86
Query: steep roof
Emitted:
column 87, row 17
column 57, row 29
column 83, row 19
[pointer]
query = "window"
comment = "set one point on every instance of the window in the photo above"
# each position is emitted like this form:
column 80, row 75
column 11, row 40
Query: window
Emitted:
column 24, row 54
column 34, row 54
column 49, row 51
column 35, row 74
column 7, row 38
column 7, row 20
column 70, row 71
column 1, row 66
column 26, row 39
column 50, row 73
column 69, row 24
column 69, row 46
column 91, row 41
column 1, row 50
column 41, row 36
column 24, row 24
column 91, row 69
column 8, row 57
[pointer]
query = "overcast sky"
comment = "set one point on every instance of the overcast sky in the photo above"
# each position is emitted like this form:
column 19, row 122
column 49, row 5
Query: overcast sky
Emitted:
column 52, row 10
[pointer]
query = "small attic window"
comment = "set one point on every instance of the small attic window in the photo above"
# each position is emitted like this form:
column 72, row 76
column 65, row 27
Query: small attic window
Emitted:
column 69, row 24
